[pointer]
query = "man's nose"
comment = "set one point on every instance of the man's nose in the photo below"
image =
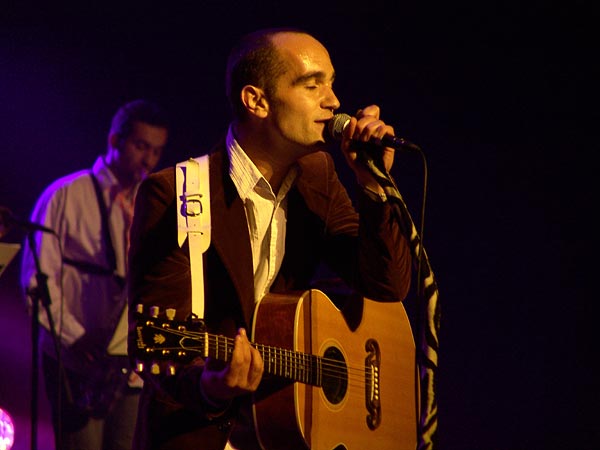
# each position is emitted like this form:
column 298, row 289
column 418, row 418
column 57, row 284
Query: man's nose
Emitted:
column 331, row 101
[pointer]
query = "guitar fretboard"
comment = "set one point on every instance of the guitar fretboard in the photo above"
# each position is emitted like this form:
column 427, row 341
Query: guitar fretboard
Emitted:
column 284, row 363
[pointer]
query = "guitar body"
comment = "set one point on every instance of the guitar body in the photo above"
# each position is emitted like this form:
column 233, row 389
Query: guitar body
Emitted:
column 366, row 398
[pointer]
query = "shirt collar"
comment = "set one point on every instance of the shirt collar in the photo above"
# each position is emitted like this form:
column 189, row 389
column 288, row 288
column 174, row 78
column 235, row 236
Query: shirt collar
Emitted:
column 244, row 173
column 102, row 172
column 108, row 181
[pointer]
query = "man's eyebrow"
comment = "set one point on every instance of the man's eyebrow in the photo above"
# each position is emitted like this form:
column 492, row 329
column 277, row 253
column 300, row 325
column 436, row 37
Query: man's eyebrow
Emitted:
column 310, row 76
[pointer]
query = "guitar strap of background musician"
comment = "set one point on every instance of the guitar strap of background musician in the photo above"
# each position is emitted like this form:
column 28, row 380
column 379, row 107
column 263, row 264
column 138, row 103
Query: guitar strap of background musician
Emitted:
column 93, row 267
column 193, row 220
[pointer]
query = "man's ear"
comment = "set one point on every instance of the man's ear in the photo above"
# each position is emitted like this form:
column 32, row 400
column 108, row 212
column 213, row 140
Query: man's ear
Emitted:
column 113, row 140
column 255, row 101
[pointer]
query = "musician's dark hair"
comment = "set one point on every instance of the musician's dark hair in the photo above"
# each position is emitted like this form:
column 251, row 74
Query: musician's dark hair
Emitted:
column 255, row 61
column 140, row 110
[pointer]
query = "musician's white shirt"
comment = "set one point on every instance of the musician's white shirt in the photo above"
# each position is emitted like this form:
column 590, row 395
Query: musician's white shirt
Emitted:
column 69, row 207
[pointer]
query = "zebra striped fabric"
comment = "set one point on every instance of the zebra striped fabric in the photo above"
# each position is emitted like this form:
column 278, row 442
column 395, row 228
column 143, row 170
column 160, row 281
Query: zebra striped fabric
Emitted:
column 428, row 322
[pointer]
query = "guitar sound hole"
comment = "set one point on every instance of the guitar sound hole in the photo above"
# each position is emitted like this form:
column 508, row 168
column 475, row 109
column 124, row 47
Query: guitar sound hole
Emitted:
column 335, row 375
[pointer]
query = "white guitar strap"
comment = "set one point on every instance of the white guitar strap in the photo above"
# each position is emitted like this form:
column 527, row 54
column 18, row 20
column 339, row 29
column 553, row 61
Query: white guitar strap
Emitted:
column 193, row 220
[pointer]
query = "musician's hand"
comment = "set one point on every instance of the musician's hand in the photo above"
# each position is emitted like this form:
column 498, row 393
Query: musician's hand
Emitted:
column 240, row 376
column 366, row 125
column 134, row 380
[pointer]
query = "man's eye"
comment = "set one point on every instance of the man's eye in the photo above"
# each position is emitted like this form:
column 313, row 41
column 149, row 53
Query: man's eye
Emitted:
column 141, row 145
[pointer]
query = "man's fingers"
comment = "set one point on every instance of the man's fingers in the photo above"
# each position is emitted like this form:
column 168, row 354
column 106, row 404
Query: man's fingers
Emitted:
column 246, row 365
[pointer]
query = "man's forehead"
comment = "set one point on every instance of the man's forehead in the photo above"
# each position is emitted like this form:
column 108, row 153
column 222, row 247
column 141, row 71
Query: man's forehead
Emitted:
column 305, row 56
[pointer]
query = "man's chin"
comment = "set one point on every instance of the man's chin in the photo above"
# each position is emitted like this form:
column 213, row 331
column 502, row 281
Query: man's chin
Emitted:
column 138, row 177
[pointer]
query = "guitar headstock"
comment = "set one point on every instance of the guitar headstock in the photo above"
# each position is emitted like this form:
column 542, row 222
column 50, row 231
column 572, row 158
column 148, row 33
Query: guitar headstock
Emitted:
column 163, row 341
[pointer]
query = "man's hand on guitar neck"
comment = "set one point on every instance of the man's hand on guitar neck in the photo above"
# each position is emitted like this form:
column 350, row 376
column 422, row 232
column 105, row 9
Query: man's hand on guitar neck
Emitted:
column 221, row 382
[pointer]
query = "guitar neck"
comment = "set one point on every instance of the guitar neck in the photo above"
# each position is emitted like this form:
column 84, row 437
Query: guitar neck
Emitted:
column 160, row 339
column 280, row 362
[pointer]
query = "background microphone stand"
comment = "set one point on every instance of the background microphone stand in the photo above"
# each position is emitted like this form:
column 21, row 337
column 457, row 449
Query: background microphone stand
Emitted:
column 39, row 294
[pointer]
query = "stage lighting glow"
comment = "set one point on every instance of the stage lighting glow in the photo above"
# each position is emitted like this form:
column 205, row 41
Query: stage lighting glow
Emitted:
column 7, row 431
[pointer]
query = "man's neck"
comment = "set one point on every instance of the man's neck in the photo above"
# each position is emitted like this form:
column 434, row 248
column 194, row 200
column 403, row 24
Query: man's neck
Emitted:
column 125, row 185
column 268, row 159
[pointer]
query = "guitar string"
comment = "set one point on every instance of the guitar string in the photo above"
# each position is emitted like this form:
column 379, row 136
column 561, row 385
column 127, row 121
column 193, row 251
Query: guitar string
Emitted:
column 331, row 368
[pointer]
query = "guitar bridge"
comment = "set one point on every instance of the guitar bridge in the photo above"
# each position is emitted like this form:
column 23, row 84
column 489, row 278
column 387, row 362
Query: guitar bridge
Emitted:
column 372, row 394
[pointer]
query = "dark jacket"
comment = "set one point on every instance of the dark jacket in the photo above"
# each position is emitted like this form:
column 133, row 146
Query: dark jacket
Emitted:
column 369, row 253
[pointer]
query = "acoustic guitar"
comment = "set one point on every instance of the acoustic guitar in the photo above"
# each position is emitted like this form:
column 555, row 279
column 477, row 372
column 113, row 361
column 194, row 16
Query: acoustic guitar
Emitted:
column 333, row 379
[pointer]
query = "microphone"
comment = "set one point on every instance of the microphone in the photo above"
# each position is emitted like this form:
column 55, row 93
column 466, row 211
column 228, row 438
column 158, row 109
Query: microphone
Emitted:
column 339, row 122
column 8, row 220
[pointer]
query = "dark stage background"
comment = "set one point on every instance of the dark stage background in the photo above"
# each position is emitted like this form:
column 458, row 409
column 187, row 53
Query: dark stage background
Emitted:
column 490, row 90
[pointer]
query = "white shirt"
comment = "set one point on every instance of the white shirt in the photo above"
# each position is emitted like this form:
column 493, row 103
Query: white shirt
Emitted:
column 266, row 214
column 80, row 301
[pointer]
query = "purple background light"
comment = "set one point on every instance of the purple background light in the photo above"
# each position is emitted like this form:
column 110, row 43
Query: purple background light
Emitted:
column 7, row 431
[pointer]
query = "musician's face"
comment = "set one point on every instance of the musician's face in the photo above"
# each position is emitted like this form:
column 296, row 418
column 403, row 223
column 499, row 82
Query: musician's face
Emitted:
column 303, row 100
column 139, row 153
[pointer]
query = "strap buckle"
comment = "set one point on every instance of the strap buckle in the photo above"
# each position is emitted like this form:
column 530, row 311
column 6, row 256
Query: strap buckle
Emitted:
column 191, row 205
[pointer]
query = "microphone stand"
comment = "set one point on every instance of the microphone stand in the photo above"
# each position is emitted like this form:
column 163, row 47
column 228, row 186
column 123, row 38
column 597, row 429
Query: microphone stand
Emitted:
column 38, row 294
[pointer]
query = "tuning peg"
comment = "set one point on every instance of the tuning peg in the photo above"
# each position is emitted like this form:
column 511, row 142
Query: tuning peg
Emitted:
column 170, row 369
column 139, row 308
column 154, row 311
column 155, row 369
column 139, row 366
column 170, row 312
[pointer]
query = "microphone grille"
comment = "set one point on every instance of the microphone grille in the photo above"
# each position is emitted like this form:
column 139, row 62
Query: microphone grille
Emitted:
column 337, row 124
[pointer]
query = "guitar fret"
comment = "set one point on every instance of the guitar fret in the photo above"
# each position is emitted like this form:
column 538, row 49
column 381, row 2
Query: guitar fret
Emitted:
column 318, row 380
column 307, row 372
column 273, row 363
column 291, row 364
column 305, row 368
column 279, row 360
column 270, row 355
column 296, row 366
